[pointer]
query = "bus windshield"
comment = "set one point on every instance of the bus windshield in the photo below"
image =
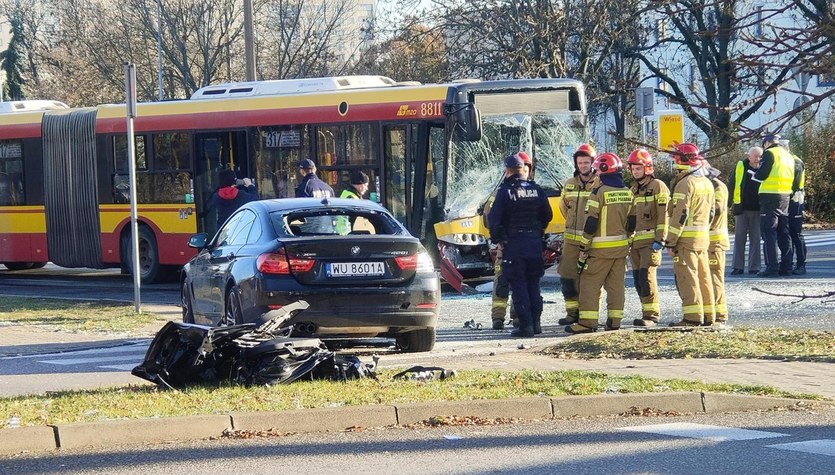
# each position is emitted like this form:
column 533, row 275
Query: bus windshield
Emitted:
column 476, row 168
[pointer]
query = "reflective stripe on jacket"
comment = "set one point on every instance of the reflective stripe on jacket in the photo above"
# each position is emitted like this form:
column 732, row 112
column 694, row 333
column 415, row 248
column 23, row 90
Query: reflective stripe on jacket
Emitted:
column 719, row 224
column 575, row 194
column 690, row 212
column 611, row 207
column 650, row 210
column 781, row 175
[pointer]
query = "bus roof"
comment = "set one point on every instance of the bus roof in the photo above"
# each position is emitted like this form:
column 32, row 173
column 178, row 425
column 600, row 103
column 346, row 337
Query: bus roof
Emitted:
column 291, row 86
column 31, row 105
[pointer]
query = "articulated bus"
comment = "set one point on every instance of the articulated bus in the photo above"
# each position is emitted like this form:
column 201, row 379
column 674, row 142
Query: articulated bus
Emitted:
column 433, row 153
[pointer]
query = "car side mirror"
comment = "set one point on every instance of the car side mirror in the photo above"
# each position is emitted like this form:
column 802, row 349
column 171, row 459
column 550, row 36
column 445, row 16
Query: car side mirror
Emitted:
column 198, row 241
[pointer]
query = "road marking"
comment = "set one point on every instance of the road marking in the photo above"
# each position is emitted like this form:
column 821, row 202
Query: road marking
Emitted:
column 120, row 367
column 702, row 431
column 101, row 359
column 819, row 447
column 128, row 348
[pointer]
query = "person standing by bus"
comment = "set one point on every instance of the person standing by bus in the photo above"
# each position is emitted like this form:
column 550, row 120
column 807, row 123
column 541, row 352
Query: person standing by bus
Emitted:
column 744, row 196
column 651, row 196
column 719, row 244
column 311, row 186
column 688, row 238
column 575, row 194
column 357, row 188
column 604, row 246
column 775, row 176
column 518, row 218
column 229, row 196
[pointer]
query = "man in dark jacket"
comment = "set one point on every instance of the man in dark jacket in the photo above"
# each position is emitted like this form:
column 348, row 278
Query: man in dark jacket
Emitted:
column 311, row 186
column 743, row 197
column 229, row 196
column 517, row 221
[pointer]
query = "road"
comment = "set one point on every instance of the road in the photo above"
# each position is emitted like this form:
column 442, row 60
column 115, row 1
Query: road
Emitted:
column 757, row 443
column 107, row 359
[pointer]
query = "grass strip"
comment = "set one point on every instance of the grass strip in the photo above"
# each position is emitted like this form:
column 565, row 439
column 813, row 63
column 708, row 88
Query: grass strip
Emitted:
column 73, row 315
column 141, row 401
column 732, row 343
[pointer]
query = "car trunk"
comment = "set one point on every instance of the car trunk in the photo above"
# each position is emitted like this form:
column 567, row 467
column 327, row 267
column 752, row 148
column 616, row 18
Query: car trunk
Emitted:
column 362, row 260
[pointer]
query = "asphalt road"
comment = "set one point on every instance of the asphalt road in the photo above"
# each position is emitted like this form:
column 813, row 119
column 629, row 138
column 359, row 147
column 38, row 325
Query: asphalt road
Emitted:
column 56, row 362
column 755, row 443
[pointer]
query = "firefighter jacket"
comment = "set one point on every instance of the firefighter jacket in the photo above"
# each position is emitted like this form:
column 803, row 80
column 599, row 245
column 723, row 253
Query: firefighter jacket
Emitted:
column 573, row 199
column 520, row 210
column 607, row 230
column 650, row 210
column 776, row 172
column 744, row 191
column 690, row 211
column 719, row 224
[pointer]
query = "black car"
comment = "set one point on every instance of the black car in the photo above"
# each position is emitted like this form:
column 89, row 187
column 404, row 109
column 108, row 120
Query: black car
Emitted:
column 362, row 273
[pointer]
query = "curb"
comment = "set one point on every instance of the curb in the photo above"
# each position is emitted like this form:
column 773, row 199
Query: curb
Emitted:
column 122, row 432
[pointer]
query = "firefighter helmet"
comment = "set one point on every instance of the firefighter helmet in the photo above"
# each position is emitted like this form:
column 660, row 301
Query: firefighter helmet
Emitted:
column 525, row 159
column 584, row 149
column 640, row 156
column 687, row 155
column 607, row 163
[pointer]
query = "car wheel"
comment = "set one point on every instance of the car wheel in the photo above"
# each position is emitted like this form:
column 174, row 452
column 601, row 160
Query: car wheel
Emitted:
column 188, row 303
column 232, row 313
column 417, row 341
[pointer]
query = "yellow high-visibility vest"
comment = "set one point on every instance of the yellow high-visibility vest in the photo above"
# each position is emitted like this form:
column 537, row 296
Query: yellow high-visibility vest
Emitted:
column 779, row 180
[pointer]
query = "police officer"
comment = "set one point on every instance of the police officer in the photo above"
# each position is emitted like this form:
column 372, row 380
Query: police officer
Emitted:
column 517, row 221
column 796, row 205
column 691, row 212
column 575, row 193
column 604, row 246
column 311, row 186
column 775, row 175
column 719, row 244
column 651, row 196
column 501, row 289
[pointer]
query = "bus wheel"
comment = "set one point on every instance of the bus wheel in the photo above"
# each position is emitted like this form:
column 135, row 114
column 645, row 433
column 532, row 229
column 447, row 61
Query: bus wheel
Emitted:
column 19, row 265
column 149, row 268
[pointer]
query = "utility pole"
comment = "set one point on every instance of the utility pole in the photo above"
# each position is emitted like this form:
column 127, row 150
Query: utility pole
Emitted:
column 249, row 41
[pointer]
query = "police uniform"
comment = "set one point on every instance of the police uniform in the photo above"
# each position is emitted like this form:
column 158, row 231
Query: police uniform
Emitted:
column 575, row 194
column 719, row 244
column 605, row 239
column 517, row 221
column 796, row 205
column 690, row 213
column 651, row 221
column 775, row 175
column 312, row 187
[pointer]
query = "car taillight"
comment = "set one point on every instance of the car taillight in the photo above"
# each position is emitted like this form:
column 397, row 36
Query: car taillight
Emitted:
column 407, row 262
column 279, row 263
column 420, row 262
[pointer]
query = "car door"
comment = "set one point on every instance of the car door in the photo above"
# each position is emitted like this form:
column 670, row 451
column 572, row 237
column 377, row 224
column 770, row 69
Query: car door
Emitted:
column 221, row 257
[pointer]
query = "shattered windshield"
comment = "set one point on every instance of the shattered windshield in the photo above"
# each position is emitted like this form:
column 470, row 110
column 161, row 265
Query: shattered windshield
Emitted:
column 476, row 168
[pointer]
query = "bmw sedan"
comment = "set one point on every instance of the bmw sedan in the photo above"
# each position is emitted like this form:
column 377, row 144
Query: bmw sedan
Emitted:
column 362, row 273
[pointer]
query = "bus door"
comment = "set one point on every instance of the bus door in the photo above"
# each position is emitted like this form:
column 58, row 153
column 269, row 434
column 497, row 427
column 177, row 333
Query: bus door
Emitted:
column 398, row 171
column 216, row 151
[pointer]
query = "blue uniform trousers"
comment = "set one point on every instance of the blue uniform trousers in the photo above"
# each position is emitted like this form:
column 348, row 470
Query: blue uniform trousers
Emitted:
column 522, row 265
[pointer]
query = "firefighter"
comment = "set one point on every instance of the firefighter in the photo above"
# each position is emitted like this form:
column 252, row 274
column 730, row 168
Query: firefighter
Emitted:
column 775, row 175
column 604, row 246
column 719, row 244
column 690, row 213
column 651, row 196
column 573, row 199
column 501, row 290
column 517, row 220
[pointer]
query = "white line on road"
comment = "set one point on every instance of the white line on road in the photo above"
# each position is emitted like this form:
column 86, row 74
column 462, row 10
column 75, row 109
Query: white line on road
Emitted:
column 820, row 447
column 702, row 431
column 102, row 359
column 120, row 367
column 131, row 347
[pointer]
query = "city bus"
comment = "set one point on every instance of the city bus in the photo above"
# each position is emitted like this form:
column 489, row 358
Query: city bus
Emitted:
column 433, row 154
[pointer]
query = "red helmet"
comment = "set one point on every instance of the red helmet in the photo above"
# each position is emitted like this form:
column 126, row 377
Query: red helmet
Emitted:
column 585, row 149
column 687, row 155
column 607, row 163
column 640, row 156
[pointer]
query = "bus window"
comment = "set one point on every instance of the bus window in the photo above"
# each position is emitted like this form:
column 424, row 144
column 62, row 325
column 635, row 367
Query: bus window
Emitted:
column 276, row 153
column 344, row 146
column 172, row 151
column 11, row 173
column 121, row 177
column 395, row 156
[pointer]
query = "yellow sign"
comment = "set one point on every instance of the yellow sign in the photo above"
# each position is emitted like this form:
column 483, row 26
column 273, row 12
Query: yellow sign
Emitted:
column 670, row 129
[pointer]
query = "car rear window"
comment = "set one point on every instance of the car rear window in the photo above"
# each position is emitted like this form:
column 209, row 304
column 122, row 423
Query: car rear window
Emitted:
column 335, row 222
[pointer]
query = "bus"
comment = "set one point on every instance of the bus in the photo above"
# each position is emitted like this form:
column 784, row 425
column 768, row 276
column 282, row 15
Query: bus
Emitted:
column 433, row 154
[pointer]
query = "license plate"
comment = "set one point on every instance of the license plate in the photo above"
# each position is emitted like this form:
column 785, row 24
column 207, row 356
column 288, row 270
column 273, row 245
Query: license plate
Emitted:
column 354, row 269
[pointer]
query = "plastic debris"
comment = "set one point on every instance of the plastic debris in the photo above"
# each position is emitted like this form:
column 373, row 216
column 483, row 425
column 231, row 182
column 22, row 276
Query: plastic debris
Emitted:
column 472, row 324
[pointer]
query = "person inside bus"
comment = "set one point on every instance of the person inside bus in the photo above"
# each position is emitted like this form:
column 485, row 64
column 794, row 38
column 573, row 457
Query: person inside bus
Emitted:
column 230, row 196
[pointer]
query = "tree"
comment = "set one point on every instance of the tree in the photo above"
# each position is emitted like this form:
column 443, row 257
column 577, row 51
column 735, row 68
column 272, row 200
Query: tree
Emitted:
column 416, row 53
column 12, row 58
